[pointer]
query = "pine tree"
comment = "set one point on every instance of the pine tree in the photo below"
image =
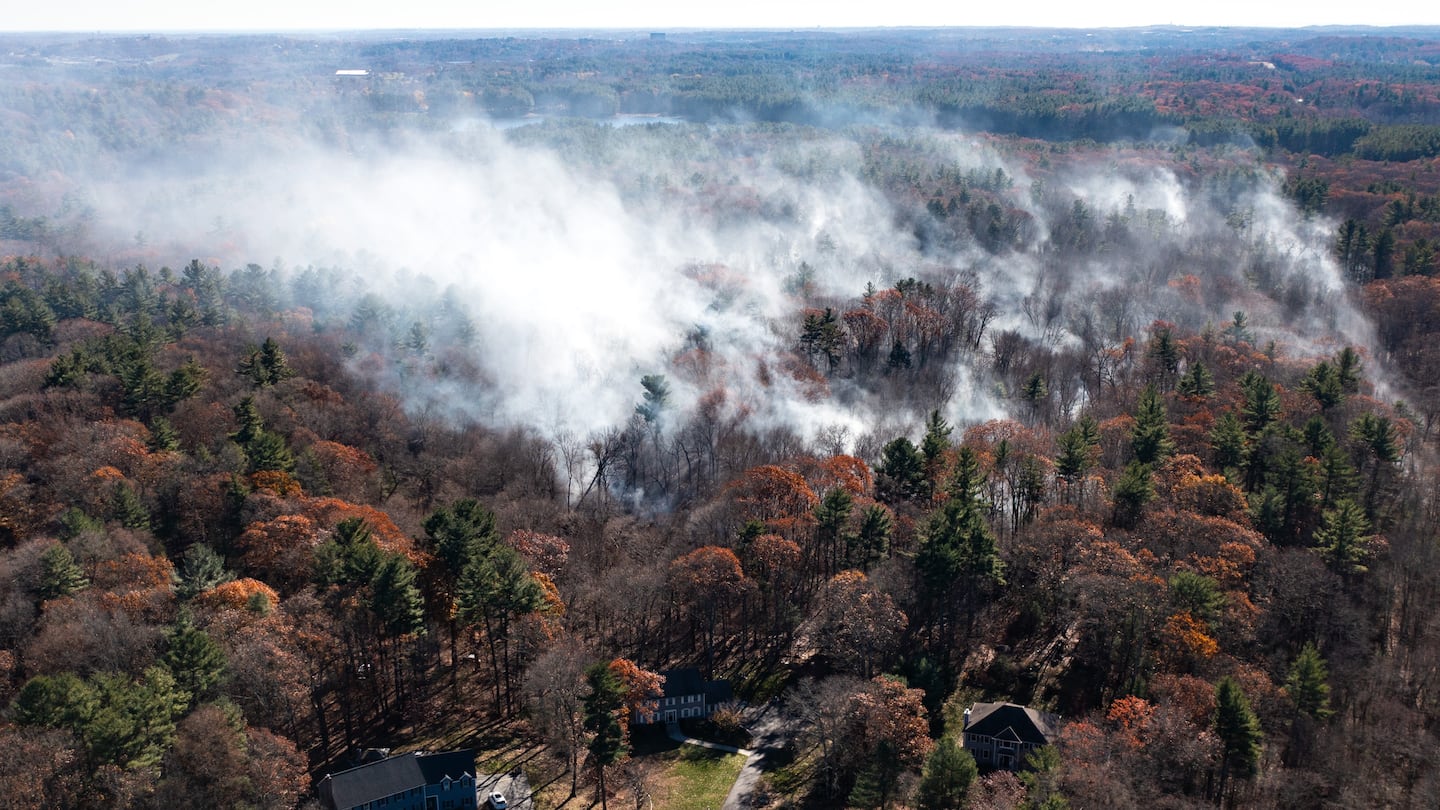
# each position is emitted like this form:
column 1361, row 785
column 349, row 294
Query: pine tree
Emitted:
column 1197, row 594
column 1075, row 454
column 59, row 574
column 871, row 541
column 1341, row 538
column 1133, row 490
column 201, row 569
column 1197, row 382
column 901, row 474
column 1349, row 365
column 602, row 708
column 822, row 334
column 1306, row 684
column 1035, row 392
column 1322, row 382
column 1150, row 438
column 163, row 436
column 395, row 597
column 127, row 508
column 194, row 659
column 935, row 443
column 1262, row 402
column 250, row 422
column 832, row 515
column 949, row 772
column 1164, row 352
column 1239, row 733
column 267, row 365
column 655, row 398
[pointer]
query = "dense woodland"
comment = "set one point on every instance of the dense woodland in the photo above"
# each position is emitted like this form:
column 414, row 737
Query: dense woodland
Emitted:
column 237, row 548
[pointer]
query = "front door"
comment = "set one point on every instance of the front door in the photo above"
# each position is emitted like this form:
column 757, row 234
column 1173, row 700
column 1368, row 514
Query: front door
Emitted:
column 670, row 716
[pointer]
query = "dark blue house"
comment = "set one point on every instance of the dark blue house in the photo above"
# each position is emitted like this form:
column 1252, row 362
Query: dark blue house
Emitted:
column 418, row 781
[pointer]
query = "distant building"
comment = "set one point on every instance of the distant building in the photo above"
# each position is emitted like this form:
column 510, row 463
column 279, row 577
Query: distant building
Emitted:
column 657, row 36
column 352, row 73
column 686, row 696
column 999, row 735
column 418, row 781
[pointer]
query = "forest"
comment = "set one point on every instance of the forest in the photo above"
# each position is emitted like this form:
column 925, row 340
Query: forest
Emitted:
column 444, row 401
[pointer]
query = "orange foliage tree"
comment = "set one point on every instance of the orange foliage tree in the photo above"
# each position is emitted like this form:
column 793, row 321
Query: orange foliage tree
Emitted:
column 280, row 550
column 780, row 498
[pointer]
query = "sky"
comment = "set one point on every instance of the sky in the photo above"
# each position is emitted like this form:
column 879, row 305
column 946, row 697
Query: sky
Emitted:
column 290, row 15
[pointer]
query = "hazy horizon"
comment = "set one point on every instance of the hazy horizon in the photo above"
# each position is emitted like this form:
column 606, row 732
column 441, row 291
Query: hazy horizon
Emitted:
column 331, row 16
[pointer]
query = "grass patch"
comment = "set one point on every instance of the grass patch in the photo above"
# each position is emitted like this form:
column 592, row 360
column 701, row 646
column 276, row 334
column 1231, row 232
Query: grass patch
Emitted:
column 697, row 778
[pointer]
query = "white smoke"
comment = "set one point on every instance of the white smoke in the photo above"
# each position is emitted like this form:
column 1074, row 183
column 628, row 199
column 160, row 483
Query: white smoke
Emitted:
column 587, row 258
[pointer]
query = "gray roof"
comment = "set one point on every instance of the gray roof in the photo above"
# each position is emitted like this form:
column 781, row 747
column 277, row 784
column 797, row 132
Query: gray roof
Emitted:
column 1009, row 721
column 685, row 681
column 398, row 774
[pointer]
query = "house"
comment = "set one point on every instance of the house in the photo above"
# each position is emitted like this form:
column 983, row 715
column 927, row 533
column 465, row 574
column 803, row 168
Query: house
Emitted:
column 686, row 696
column 416, row 781
column 999, row 735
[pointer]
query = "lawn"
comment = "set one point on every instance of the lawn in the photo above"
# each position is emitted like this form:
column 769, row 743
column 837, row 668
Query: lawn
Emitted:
column 696, row 778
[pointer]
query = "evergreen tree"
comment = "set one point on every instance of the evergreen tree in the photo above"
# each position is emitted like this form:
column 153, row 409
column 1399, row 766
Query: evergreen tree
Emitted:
column 251, row 423
column 1035, row 392
column 899, row 357
column 1306, row 684
column 871, row 541
column 269, row 452
column 457, row 533
column 1163, row 352
column 901, row 474
column 822, row 334
column 1239, row 329
column 395, row 597
column 1382, row 254
column 163, row 436
column 264, row 450
column 1262, row 402
column 1150, row 438
column 1076, row 449
column 134, row 723
column 655, row 398
column 946, row 779
column 832, row 515
column 1133, row 490
column 201, row 569
column 602, row 708
column 494, row 590
column 194, row 659
column 958, row 559
column 1323, row 383
column 1341, row 539
column 1198, row 594
column 63, row 700
column 936, row 441
column 1348, row 366
column 967, row 480
column 1239, row 733
column 127, row 508
column 60, row 575
column 1197, row 381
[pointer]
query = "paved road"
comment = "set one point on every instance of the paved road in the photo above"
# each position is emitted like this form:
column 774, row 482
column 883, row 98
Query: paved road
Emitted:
column 768, row 732
column 514, row 785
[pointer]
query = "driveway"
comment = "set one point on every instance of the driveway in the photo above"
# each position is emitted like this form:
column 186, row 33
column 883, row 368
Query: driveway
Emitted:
column 514, row 785
column 768, row 734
